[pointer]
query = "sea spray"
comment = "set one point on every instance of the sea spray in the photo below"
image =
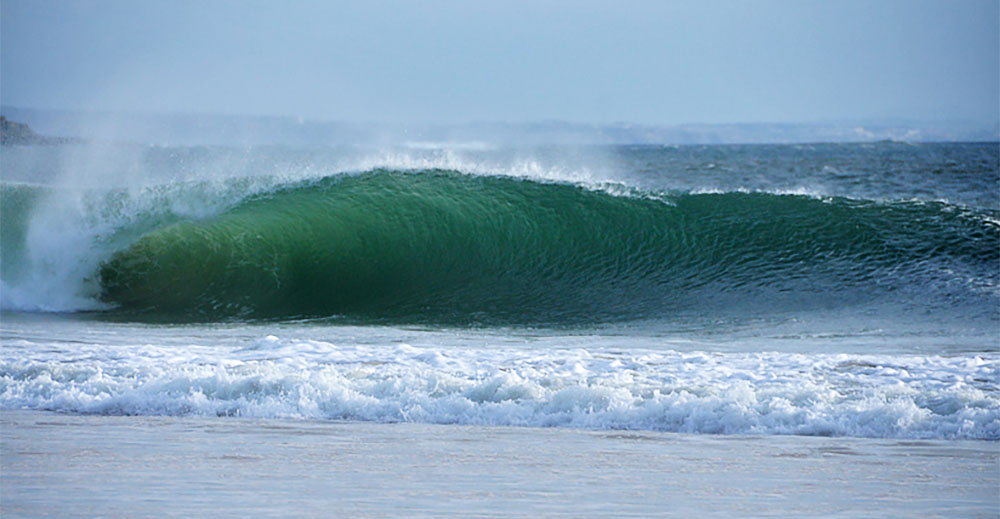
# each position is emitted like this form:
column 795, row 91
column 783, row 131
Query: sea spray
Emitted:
column 68, row 208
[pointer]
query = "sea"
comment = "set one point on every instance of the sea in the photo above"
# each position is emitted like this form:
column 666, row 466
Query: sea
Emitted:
column 480, row 330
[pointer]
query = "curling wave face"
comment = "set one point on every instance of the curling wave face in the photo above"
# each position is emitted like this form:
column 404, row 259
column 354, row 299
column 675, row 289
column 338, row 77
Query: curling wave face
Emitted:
column 442, row 246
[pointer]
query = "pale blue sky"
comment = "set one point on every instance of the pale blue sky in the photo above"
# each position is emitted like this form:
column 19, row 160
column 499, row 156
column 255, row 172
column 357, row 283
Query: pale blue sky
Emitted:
column 655, row 62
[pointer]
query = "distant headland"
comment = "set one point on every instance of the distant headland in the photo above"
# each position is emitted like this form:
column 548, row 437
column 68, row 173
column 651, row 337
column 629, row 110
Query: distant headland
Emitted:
column 247, row 130
column 19, row 133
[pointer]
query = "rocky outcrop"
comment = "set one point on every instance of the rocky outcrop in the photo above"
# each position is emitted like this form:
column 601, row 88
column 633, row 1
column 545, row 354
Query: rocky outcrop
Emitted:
column 19, row 133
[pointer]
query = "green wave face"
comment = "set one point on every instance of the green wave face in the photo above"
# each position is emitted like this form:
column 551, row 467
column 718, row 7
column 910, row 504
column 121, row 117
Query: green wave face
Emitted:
column 438, row 246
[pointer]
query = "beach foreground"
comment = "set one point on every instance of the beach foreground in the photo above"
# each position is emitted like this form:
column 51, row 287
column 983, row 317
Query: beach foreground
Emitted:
column 64, row 465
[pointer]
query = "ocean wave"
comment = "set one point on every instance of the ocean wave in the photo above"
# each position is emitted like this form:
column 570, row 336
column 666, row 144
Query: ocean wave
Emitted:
column 451, row 246
column 440, row 245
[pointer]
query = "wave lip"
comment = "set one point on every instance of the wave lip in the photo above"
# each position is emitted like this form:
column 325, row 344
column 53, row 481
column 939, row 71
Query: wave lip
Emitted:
column 439, row 246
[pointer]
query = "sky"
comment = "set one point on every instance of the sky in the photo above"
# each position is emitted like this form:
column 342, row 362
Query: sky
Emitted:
column 646, row 62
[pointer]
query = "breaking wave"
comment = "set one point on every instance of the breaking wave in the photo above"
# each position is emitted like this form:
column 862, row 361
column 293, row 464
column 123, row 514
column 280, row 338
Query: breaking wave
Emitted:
column 443, row 246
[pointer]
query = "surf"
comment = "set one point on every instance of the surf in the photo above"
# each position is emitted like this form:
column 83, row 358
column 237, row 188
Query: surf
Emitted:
column 444, row 246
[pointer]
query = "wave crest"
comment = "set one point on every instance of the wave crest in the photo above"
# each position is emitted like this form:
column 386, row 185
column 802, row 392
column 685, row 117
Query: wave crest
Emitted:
column 443, row 246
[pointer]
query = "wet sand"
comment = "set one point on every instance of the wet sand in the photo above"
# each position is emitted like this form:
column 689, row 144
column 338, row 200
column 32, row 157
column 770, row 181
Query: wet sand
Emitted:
column 61, row 465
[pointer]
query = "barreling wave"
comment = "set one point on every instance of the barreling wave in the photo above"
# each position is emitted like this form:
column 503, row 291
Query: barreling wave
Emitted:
column 438, row 246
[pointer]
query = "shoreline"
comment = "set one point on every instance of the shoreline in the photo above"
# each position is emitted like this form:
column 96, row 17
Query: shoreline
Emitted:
column 141, row 466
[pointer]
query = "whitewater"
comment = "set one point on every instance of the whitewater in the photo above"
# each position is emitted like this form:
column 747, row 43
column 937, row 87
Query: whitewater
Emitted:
column 827, row 290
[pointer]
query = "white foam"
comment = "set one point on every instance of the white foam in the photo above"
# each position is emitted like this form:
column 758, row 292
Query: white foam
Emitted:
column 453, row 160
column 797, row 191
column 900, row 396
column 71, row 231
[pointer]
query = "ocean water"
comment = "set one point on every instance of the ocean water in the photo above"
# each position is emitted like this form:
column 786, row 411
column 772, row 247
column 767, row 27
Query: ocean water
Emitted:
column 846, row 291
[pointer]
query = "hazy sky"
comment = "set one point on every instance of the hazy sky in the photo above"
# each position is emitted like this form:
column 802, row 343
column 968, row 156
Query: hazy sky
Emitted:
column 658, row 62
